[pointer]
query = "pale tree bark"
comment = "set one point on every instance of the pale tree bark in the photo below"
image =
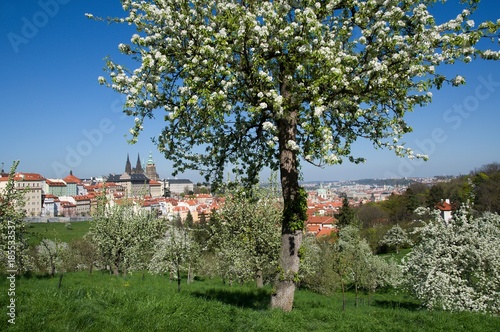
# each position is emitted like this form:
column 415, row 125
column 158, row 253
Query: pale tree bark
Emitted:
column 293, row 219
column 289, row 263
column 259, row 281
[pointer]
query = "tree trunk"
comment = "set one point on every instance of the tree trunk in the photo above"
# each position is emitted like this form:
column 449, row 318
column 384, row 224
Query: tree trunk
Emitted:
column 356, row 288
column 60, row 281
column 294, row 211
column 259, row 281
column 341, row 275
column 178, row 279
column 289, row 264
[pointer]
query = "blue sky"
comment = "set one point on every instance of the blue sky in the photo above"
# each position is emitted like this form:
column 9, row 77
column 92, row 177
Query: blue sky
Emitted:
column 55, row 116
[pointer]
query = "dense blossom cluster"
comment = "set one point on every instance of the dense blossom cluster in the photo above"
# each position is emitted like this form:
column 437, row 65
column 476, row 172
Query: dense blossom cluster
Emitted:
column 246, row 235
column 229, row 72
column 396, row 237
column 124, row 238
column 456, row 265
column 175, row 253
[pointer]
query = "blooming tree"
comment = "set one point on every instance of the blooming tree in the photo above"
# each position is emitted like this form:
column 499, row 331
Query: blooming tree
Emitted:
column 456, row 265
column 348, row 261
column 246, row 236
column 124, row 238
column 51, row 256
column 13, row 240
column 174, row 253
column 396, row 237
column 273, row 83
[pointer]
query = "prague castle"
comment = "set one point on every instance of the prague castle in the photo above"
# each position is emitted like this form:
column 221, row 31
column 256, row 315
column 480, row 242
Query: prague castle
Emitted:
column 150, row 171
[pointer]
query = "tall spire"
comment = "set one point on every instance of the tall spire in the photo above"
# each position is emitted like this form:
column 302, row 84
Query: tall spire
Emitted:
column 138, row 167
column 128, row 166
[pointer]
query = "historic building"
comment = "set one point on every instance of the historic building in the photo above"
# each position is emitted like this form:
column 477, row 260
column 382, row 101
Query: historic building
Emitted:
column 134, row 184
column 144, row 180
column 135, row 181
column 149, row 172
column 151, row 169
column 32, row 186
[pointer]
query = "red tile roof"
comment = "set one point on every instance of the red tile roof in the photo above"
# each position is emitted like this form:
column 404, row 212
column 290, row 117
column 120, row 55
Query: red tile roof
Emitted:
column 444, row 206
column 320, row 220
column 72, row 179
column 24, row 177
column 55, row 183
column 325, row 232
column 81, row 198
column 313, row 228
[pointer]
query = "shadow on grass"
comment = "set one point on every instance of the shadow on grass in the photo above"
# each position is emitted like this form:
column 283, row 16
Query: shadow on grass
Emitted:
column 391, row 304
column 257, row 299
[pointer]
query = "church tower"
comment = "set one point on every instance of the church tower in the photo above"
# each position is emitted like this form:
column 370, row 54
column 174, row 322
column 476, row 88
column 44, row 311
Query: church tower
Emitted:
column 151, row 169
column 128, row 166
column 138, row 167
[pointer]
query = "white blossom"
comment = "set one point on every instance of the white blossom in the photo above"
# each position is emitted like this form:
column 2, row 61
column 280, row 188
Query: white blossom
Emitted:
column 458, row 80
column 292, row 145
column 269, row 126
column 456, row 264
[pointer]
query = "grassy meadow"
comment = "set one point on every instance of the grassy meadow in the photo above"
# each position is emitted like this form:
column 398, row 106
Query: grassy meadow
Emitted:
column 56, row 230
column 145, row 302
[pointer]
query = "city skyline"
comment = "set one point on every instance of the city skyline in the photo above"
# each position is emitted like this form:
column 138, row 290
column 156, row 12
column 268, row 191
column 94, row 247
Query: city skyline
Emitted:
column 55, row 117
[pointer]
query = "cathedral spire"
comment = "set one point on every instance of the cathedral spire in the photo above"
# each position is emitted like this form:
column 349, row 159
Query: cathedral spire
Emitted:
column 138, row 167
column 128, row 166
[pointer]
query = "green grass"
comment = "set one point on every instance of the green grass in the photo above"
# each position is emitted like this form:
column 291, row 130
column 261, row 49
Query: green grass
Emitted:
column 53, row 230
column 138, row 302
column 397, row 256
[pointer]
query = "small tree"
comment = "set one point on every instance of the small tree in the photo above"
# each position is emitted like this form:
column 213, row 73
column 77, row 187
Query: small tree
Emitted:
column 396, row 237
column 175, row 253
column 51, row 256
column 456, row 265
column 85, row 254
column 346, row 215
column 13, row 241
column 381, row 273
column 125, row 238
column 247, row 236
column 316, row 269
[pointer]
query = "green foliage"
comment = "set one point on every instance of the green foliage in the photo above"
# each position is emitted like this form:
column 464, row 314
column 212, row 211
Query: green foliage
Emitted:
column 346, row 263
column 83, row 255
column 295, row 212
column 346, row 215
column 246, row 234
column 13, row 234
column 125, row 238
